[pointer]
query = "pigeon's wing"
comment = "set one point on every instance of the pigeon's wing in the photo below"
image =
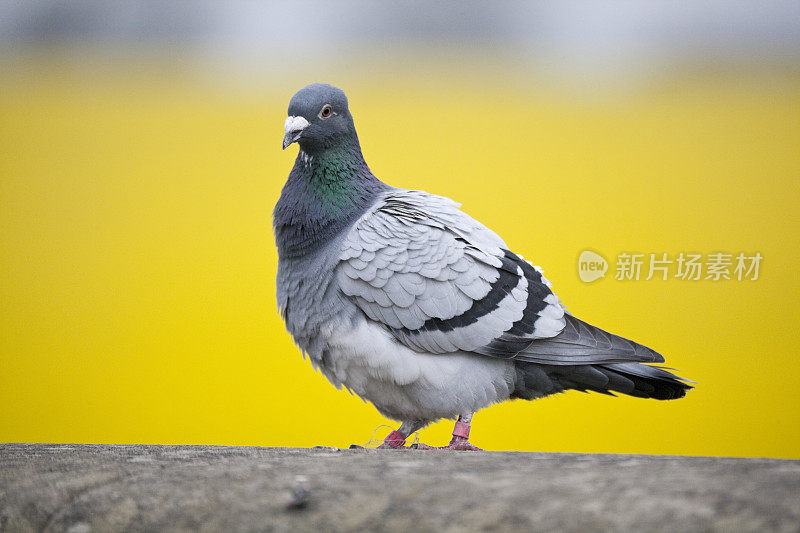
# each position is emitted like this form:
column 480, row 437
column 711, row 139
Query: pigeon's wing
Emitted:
column 442, row 282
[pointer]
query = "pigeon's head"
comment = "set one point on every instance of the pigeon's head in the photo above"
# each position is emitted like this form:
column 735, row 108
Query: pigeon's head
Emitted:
column 318, row 119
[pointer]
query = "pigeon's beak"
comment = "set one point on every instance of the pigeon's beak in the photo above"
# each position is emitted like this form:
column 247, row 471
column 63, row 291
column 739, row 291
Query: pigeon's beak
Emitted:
column 293, row 128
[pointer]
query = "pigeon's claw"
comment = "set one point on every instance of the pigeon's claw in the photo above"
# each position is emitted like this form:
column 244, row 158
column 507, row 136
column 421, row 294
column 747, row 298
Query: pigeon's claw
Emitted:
column 460, row 440
column 458, row 444
column 462, row 444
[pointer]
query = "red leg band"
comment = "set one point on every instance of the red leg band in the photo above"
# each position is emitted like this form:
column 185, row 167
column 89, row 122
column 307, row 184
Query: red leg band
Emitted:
column 461, row 429
column 395, row 439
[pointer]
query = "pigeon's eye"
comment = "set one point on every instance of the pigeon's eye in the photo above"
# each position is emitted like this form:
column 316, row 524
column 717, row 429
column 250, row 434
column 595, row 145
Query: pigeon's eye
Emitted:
column 326, row 111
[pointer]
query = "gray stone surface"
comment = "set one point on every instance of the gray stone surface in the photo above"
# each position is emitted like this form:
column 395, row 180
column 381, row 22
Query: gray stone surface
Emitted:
column 79, row 488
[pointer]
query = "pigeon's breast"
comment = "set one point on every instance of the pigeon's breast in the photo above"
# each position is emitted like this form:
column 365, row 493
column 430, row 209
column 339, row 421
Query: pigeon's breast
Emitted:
column 308, row 296
column 407, row 385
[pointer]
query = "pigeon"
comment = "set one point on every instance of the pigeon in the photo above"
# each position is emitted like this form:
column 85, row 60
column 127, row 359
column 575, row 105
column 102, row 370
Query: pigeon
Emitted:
column 416, row 307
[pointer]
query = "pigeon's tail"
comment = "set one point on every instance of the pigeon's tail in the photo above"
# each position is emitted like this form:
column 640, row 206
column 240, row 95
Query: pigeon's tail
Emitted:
column 633, row 379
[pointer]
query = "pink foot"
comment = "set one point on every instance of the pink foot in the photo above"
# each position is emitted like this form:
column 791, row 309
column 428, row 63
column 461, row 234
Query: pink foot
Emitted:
column 393, row 441
column 459, row 442
column 462, row 444
column 456, row 444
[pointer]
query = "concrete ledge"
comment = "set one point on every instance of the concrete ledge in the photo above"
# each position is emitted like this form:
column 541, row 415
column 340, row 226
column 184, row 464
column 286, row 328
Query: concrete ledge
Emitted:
column 78, row 488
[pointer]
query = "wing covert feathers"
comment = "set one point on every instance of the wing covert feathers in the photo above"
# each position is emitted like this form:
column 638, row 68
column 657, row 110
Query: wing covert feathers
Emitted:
column 442, row 282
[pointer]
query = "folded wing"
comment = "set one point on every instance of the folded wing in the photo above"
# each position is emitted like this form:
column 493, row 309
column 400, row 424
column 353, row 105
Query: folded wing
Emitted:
column 441, row 282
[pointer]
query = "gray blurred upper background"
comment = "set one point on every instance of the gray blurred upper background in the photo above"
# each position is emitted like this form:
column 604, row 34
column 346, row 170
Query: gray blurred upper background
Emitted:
column 572, row 39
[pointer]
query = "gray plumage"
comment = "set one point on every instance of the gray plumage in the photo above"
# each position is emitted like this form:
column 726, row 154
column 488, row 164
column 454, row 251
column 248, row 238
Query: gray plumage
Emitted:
column 414, row 305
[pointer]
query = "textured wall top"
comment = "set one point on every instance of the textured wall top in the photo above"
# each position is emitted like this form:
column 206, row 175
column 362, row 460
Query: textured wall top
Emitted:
column 111, row 487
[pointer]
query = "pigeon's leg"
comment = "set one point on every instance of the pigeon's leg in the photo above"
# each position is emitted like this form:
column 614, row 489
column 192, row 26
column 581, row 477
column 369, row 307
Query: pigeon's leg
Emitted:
column 397, row 438
column 460, row 440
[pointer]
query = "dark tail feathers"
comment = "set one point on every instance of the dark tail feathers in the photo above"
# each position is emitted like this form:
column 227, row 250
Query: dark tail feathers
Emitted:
column 633, row 379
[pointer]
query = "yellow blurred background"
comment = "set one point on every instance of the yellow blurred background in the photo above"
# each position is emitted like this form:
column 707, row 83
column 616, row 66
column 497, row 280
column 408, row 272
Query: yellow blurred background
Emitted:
column 137, row 302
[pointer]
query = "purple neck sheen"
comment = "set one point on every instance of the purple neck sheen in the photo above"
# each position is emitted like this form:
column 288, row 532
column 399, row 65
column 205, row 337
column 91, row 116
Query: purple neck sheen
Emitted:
column 325, row 193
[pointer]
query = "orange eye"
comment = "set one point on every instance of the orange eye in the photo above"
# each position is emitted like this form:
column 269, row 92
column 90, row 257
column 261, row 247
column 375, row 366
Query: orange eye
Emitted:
column 326, row 111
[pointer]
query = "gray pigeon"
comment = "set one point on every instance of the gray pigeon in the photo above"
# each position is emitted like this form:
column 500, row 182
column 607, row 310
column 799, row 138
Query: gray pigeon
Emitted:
column 413, row 305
